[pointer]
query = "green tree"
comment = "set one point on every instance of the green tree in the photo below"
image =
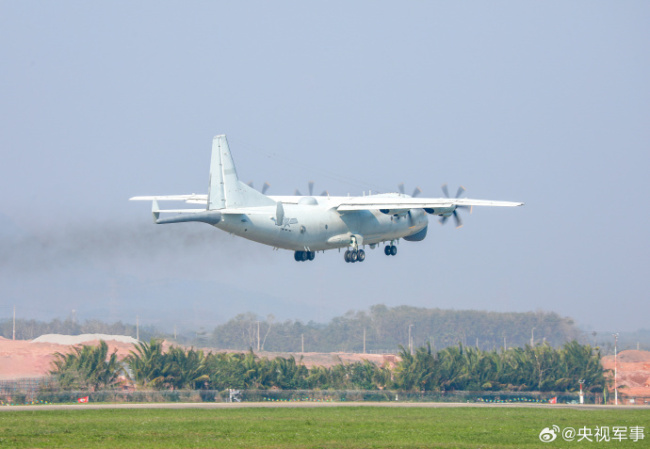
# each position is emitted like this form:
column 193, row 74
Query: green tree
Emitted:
column 87, row 367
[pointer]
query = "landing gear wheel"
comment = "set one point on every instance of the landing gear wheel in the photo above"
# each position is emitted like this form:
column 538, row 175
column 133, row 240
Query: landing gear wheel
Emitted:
column 393, row 250
column 387, row 250
column 354, row 256
column 346, row 256
column 361, row 255
column 301, row 256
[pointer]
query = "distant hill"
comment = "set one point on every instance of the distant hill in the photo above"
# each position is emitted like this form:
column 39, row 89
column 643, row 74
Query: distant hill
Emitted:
column 387, row 328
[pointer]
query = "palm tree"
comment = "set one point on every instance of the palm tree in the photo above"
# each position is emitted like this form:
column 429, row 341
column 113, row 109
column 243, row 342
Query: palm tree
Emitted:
column 87, row 367
column 184, row 369
column 147, row 364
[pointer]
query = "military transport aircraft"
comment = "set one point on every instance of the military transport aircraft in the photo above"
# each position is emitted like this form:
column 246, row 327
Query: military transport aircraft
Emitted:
column 308, row 224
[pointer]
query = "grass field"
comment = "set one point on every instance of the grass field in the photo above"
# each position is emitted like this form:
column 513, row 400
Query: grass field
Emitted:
column 333, row 427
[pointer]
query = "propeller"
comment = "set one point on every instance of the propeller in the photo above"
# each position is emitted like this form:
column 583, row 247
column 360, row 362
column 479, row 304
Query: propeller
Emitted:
column 265, row 187
column 415, row 193
column 279, row 214
column 311, row 190
column 459, row 192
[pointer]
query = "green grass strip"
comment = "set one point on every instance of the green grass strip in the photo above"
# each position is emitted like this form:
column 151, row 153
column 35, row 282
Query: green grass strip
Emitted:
column 336, row 427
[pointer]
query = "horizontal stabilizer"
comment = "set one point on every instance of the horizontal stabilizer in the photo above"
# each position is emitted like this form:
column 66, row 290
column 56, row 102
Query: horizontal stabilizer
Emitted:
column 188, row 198
column 203, row 216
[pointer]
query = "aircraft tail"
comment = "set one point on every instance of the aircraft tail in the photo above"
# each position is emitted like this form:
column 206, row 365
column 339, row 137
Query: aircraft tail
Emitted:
column 225, row 190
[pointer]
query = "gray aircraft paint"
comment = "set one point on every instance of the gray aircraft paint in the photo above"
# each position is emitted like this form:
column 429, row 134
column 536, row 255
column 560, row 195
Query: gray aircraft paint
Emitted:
column 312, row 224
column 307, row 224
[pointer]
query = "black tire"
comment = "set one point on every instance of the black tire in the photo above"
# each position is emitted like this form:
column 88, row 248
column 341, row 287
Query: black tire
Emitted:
column 311, row 255
column 304, row 255
column 387, row 250
column 296, row 256
column 346, row 256
column 361, row 256
column 353, row 256
column 393, row 250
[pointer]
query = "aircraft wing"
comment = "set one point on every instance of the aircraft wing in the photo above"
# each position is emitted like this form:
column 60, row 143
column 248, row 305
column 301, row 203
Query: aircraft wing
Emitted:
column 405, row 203
column 203, row 199
column 348, row 204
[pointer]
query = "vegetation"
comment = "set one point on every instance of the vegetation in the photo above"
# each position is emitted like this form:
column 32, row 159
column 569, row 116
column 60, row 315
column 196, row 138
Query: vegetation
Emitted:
column 323, row 427
column 387, row 328
column 538, row 368
column 86, row 368
column 30, row 329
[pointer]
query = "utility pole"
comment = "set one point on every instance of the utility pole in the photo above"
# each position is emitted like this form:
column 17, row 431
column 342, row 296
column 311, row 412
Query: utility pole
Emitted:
column 364, row 340
column 505, row 346
column 476, row 342
column 532, row 337
column 615, row 371
column 410, row 340
column 258, row 336
column 174, row 332
column 14, row 334
column 302, row 339
column 137, row 328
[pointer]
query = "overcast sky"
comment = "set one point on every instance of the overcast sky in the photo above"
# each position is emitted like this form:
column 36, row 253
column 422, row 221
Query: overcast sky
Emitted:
column 542, row 102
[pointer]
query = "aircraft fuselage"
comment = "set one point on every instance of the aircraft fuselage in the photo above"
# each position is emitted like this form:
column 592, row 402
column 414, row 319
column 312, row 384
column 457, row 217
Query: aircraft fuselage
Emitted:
column 319, row 227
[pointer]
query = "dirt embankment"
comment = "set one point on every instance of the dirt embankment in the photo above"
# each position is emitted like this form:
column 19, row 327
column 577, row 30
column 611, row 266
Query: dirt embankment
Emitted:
column 21, row 358
column 633, row 372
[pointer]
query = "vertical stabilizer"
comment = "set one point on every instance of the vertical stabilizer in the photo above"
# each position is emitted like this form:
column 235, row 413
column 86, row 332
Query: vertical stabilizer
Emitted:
column 225, row 190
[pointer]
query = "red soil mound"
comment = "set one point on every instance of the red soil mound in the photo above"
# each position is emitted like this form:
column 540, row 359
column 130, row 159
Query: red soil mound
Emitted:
column 633, row 372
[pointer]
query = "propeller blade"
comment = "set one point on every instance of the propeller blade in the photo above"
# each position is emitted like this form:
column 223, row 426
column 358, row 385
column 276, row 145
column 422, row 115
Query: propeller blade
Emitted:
column 279, row 214
column 400, row 187
column 459, row 223
column 445, row 191
column 325, row 193
column 443, row 220
column 311, row 188
column 460, row 191
column 265, row 187
column 416, row 192
column 297, row 193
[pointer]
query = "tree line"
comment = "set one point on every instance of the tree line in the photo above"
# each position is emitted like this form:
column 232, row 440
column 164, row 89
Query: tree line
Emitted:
column 31, row 329
column 531, row 368
column 386, row 328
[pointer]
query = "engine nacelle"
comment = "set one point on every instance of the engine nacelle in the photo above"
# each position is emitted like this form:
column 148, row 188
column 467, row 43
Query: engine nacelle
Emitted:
column 440, row 210
column 394, row 211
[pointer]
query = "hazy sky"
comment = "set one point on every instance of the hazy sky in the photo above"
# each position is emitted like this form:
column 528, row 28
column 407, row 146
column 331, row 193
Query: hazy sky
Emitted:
column 542, row 102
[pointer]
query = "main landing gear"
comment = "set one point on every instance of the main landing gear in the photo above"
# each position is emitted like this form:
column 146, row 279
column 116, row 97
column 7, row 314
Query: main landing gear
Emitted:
column 354, row 255
column 390, row 250
column 302, row 256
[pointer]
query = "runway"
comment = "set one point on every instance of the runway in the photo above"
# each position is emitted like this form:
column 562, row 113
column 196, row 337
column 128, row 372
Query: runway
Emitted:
column 238, row 405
